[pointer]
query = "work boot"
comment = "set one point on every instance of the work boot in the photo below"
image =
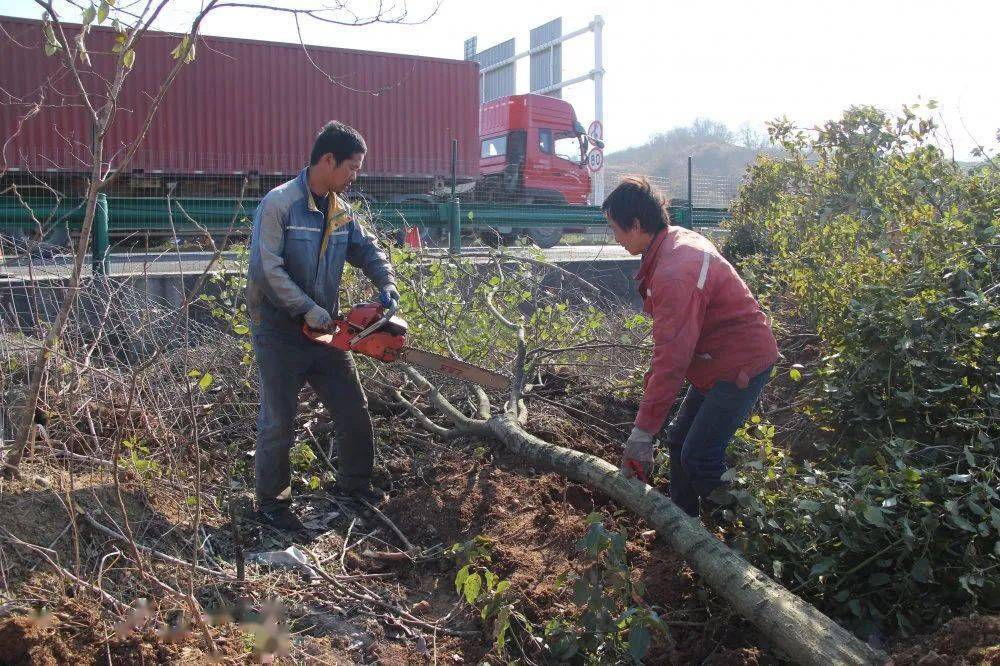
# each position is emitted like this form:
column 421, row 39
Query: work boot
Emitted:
column 282, row 518
column 367, row 493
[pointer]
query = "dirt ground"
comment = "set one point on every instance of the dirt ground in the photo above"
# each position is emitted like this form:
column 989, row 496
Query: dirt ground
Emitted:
column 968, row 641
column 441, row 494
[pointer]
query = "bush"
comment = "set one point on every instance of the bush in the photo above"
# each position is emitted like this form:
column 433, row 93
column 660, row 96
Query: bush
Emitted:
column 866, row 238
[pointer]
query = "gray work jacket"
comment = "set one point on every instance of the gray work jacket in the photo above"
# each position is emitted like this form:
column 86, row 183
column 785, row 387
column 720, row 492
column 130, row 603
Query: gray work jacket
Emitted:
column 291, row 270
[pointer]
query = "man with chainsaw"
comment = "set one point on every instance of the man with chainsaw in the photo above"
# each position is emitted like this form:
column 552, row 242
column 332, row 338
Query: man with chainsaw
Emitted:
column 303, row 233
column 707, row 328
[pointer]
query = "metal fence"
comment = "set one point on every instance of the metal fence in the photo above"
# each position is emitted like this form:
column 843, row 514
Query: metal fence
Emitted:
column 149, row 212
column 706, row 190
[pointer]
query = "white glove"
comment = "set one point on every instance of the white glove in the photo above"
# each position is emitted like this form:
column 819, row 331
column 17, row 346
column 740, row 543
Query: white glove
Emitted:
column 637, row 458
column 318, row 319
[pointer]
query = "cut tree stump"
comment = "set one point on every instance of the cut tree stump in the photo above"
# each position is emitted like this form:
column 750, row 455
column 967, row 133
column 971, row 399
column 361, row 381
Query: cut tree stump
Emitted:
column 800, row 630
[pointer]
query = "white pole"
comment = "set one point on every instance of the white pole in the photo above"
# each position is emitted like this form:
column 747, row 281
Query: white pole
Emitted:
column 598, row 177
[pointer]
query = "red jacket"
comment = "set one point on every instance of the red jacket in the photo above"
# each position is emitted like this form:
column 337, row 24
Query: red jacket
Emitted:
column 707, row 326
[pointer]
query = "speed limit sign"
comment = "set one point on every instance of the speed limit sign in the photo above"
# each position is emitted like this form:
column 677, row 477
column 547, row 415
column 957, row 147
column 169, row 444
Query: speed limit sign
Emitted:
column 595, row 159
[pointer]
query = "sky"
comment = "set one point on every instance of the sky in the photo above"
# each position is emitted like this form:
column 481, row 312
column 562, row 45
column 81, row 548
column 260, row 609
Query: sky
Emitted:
column 667, row 62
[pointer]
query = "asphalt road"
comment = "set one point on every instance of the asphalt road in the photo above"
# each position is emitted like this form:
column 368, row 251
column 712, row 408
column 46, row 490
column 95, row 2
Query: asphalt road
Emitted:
column 169, row 263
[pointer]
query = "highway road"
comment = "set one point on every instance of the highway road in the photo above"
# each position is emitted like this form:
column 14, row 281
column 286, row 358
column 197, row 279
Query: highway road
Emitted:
column 187, row 263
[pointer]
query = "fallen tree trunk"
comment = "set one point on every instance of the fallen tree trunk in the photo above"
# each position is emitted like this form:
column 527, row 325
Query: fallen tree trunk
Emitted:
column 798, row 628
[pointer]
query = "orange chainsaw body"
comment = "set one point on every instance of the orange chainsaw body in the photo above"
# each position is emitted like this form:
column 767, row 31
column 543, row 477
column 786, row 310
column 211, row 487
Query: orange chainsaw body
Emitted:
column 383, row 344
column 371, row 330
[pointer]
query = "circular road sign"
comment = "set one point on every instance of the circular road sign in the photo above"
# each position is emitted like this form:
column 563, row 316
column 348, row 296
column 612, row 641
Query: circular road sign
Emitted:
column 595, row 160
column 596, row 130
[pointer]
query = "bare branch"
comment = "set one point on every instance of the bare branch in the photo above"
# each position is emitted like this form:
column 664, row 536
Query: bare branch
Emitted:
column 470, row 426
column 422, row 418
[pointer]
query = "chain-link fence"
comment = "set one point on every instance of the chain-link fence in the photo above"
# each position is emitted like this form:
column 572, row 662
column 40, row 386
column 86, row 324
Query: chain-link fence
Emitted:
column 706, row 190
column 152, row 210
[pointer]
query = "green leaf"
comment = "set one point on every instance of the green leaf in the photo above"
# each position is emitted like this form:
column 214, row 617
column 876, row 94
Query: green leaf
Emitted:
column 82, row 51
column 873, row 515
column 88, row 15
column 102, row 13
column 921, row 571
column 795, row 374
column 473, row 585
column 50, row 34
column 822, row 567
column 964, row 524
column 638, row 641
column 206, row 381
column 879, row 579
column 182, row 49
column 461, row 576
column 240, row 329
column 503, row 624
column 810, row 506
column 129, row 59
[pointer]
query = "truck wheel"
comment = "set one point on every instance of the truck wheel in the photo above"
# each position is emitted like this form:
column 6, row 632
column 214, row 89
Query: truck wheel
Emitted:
column 545, row 237
column 494, row 238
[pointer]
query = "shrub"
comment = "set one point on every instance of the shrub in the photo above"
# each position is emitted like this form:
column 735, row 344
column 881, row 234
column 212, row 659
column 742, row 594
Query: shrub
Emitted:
column 868, row 239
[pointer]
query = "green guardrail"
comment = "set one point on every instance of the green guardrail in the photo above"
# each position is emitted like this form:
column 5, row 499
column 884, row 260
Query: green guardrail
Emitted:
column 130, row 215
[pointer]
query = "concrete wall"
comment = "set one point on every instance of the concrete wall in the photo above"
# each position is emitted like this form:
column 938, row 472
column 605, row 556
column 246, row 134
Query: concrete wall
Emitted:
column 23, row 303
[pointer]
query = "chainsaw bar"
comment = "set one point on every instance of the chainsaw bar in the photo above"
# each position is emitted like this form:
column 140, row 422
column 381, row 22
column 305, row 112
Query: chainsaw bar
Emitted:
column 454, row 368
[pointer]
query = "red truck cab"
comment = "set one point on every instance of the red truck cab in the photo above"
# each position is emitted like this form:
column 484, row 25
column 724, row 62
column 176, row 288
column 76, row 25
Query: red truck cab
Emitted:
column 533, row 150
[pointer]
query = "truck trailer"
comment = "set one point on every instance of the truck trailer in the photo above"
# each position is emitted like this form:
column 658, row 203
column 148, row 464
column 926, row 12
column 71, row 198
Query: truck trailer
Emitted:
column 242, row 116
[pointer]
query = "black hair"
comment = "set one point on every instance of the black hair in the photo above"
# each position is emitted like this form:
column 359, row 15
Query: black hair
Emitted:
column 634, row 199
column 342, row 140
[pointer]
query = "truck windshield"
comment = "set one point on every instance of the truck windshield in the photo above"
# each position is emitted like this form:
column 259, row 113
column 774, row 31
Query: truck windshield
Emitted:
column 494, row 147
column 569, row 147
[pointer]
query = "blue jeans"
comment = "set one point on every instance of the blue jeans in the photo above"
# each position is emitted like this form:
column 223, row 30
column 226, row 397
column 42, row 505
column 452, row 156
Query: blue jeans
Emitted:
column 699, row 434
column 286, row 363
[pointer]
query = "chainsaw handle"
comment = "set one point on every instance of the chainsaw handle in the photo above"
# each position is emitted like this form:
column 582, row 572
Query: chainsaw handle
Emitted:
column 393, row 309
column 316, row 335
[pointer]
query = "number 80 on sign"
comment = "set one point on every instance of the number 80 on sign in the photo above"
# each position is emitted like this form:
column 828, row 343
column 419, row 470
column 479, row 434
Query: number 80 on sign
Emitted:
column 595, row 159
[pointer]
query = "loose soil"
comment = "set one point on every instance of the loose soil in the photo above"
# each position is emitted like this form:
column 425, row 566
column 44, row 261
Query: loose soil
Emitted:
column 441, row 495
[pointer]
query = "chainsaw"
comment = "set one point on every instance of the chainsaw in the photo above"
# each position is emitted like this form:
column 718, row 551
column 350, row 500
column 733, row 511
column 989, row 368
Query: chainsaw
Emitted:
column 372, row 330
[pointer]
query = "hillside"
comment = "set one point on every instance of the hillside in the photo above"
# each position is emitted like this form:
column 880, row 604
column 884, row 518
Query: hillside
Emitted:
column 720, row 159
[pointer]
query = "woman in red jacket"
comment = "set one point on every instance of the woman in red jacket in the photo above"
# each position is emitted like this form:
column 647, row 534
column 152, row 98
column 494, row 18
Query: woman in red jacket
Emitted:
column 707, row 328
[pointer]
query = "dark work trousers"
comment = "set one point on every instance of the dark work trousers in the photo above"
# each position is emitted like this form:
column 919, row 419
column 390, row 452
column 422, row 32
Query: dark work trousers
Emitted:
column 699, row 434
column 286, row 363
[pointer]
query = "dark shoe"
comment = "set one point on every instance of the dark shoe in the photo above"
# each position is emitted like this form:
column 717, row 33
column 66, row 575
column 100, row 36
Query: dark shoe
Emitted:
column 281, row 518
column 362, row 494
